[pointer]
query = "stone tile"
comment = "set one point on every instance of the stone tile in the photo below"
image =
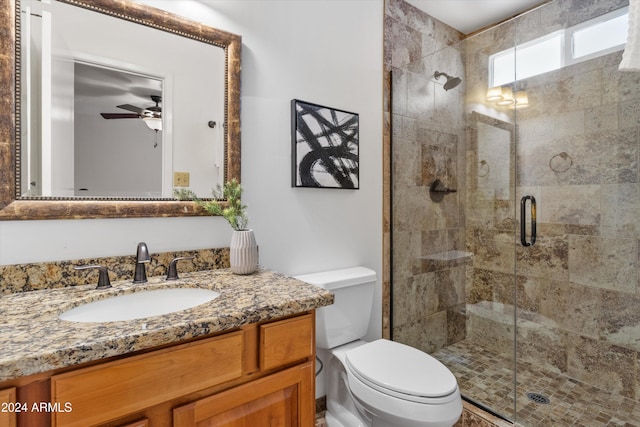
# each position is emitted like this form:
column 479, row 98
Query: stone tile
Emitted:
column 618, row 86
column 537, row 159
column 405, row 43
column 491, row 325
column 570, row 204
column 406, row 254
column 583, row 10
column 603, row 262
column 605, row 157
column 572, row 308
column 439, row 162
column 492, row 250
column 414, row 299
column 456, row 324
column 488, row 377
column 629, row 115
column 572, row 90
column 619, row 210
column 450, row 285
column 420, row 92
column 428, row 334
column 543, row 346
column 611, row 367
column 601, row 118
column 399, row 94
column 621, row 319
column 406, row 163
column 548, row 258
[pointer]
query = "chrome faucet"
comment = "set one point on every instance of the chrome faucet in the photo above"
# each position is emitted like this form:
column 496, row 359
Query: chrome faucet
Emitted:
column 142, row 258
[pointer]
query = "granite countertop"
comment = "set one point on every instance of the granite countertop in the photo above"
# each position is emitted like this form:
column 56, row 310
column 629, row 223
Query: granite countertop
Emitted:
column 35, row 340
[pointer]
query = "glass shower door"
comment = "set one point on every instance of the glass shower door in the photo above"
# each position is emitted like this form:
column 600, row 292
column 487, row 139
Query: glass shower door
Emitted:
column 542, row 328
column 578, row 313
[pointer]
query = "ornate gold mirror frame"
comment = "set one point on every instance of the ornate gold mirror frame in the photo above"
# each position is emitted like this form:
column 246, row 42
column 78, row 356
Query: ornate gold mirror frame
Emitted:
column 12, row 207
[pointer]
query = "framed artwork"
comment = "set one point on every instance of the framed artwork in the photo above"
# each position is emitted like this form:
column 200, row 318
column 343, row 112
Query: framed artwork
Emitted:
column 324, row 147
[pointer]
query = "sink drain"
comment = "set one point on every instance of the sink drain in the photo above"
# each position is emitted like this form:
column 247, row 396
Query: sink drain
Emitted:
column 538, row 398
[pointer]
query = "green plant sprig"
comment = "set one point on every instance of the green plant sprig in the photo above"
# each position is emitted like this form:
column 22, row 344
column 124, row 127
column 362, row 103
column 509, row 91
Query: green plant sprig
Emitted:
column 234, row 211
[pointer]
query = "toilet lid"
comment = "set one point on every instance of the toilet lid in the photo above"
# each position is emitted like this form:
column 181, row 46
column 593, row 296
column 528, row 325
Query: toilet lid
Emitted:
column 397, row 367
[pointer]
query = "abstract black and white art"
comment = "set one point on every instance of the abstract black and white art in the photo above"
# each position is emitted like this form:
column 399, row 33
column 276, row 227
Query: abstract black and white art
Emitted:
column 325, row 150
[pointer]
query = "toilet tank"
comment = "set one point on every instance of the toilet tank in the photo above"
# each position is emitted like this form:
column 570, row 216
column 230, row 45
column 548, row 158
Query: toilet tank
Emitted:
column 348, row 318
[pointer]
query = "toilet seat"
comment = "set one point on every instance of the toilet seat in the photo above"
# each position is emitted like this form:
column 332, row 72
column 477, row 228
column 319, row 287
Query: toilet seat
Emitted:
column 401, row 371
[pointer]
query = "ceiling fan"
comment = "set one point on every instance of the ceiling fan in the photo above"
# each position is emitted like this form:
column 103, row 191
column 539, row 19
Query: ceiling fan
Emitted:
column 137, row 112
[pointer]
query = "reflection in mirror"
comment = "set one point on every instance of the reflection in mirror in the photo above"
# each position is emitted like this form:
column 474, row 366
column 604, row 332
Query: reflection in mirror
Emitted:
column 72, row 73
column 182, row 75
column 492, row 167
column 115, row 112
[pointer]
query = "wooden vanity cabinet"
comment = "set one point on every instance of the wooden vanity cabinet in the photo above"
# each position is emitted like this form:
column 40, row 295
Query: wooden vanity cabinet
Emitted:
column 7, row 407
column 258, row 375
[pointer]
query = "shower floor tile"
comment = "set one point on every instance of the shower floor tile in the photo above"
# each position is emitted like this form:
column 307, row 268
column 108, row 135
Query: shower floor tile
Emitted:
column 487, row 378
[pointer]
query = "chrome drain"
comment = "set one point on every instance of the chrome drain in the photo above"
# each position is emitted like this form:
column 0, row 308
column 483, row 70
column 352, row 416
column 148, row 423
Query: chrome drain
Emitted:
column 538, row 398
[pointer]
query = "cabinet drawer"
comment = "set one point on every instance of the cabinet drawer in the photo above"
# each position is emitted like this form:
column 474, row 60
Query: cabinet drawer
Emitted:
column 114, row 389
column 286, row 341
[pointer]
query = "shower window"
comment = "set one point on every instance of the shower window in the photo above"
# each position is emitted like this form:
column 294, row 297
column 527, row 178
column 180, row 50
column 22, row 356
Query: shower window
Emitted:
column 588, row 40
column 529, row 59
column 605, row 34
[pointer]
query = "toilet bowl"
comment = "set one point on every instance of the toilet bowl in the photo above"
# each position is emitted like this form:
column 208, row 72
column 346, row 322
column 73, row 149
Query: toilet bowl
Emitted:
column 380, row 383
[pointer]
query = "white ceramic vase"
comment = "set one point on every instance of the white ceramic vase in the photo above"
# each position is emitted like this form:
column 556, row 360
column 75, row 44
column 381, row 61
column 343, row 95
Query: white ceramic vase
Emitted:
column 243, row 255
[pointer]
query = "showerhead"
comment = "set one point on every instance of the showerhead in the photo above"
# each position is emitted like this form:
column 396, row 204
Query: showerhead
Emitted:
column 451, row 81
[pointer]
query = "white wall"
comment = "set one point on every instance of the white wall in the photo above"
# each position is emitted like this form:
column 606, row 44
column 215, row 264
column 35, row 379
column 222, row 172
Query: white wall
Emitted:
column 325, row 52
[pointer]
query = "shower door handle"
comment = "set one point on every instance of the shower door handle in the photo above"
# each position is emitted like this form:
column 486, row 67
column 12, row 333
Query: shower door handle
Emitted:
column 523, row 220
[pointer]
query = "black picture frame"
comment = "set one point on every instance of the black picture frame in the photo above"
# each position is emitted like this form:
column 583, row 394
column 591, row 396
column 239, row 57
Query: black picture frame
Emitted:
column 325, row 148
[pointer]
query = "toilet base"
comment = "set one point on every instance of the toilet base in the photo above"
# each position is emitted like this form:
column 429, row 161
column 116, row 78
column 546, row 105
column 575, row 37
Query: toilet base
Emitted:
column 344, row 409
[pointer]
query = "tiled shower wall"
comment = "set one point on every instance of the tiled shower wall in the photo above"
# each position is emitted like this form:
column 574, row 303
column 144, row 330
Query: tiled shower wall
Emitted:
column 576, row 149
column 428, row 144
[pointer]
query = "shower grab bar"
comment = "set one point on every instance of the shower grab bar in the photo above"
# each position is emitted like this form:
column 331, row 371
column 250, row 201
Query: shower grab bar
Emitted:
column 523, row 219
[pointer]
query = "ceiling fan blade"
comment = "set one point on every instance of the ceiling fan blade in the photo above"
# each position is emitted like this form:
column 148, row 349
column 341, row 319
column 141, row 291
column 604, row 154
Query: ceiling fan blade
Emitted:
column 130, row 107
column 120, row 116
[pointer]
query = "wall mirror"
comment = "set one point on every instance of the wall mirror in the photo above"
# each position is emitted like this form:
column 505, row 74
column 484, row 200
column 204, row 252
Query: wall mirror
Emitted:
column 491, row 155
column 99, row 127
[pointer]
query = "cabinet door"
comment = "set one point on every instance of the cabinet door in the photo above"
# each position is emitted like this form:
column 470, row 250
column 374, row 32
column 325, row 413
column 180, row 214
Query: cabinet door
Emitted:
column 8, row 410
column 284, row 399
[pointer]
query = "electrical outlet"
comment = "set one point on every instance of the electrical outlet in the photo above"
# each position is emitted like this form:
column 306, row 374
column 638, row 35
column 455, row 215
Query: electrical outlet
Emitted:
column 181, row 179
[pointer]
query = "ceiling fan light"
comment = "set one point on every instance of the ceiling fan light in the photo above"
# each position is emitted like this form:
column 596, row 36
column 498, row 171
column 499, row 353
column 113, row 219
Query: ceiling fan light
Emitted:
column 154, row 123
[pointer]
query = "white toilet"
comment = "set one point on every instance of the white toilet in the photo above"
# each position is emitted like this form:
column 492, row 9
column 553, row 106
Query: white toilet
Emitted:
column 381, row 383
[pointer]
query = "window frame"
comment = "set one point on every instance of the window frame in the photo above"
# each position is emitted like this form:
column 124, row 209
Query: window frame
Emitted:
column 566, row 45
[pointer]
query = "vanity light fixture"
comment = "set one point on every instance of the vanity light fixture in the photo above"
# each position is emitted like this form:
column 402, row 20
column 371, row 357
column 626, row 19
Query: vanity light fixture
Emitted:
column 154, row 123
column 504, row 97
column 494, row 94
column 507, row 97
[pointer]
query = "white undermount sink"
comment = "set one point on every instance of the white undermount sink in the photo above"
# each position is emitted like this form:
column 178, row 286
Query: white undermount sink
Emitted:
column 139, row 305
